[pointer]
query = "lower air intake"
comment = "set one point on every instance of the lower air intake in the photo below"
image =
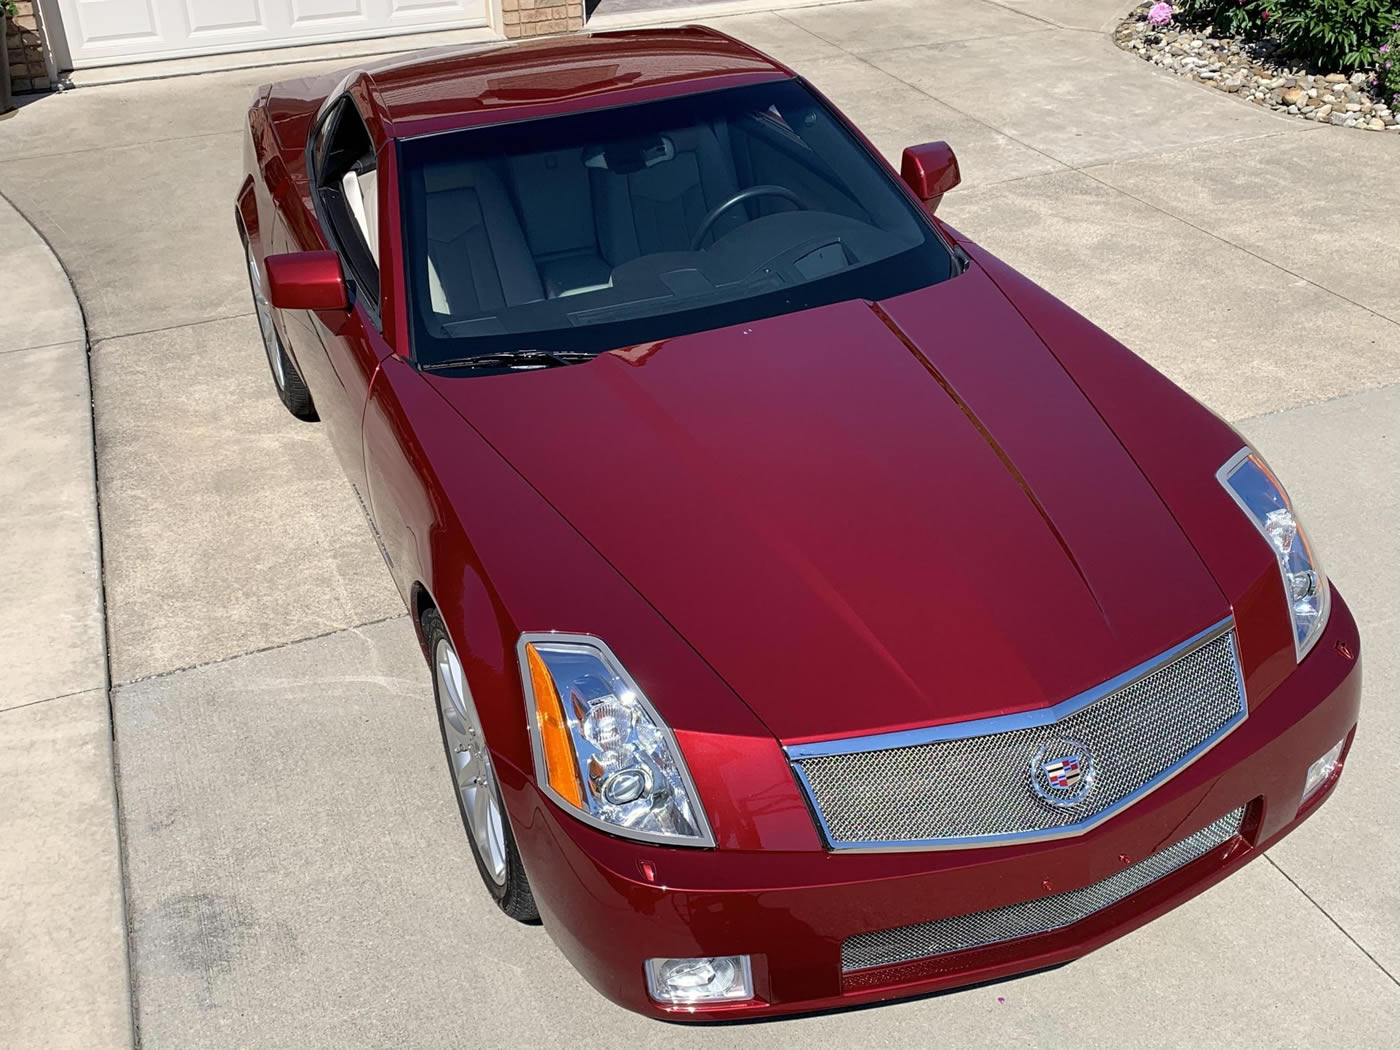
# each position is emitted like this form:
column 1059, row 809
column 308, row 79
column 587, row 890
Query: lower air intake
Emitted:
column 926, row 939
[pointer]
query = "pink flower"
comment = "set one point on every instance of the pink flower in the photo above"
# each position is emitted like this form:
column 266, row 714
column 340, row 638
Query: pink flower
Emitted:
column 1385, row 48
column 1160, row 14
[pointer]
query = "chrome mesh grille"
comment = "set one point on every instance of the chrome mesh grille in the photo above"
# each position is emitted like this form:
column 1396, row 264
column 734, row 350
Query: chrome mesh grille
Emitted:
column 926, row 939
column 977, row 790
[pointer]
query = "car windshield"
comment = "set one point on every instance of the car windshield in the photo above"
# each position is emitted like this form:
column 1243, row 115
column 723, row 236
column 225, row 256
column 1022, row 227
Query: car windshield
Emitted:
column 608, row 228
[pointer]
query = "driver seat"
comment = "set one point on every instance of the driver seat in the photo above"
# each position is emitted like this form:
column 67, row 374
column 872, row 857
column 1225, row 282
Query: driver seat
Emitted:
column 659, row 208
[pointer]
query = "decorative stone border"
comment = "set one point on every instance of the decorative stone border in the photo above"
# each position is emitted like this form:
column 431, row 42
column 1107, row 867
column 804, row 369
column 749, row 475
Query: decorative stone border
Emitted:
column 1250, row 71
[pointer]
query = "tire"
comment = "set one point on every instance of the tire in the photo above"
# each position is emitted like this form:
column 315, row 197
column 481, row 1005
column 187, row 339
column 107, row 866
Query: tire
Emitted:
column 497, row 858
column 291, row 388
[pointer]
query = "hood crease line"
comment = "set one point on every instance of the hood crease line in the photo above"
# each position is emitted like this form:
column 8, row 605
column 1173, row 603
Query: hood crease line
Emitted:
column 992, row 443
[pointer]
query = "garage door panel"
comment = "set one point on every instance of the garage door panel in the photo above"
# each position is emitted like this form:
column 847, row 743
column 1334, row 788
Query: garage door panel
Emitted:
column 417, row 7
column 305, row 12
column 107, row 21
column 103, row 31
column 213, row 16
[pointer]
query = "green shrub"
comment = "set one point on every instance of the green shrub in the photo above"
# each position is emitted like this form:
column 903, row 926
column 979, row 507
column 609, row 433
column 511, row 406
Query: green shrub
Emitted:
column 1336, row 34
column 1229, row 17
column 1388, row 69
column 1327, row 35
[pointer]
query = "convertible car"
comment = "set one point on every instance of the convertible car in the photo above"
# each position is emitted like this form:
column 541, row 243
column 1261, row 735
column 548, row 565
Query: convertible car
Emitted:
column 819, row 612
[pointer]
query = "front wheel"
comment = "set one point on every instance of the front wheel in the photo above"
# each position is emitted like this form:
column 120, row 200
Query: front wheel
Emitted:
column 474, row 779
column 285, row 377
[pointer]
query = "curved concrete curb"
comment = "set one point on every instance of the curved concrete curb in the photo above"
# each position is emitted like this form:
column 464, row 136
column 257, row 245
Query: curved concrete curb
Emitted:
column 63, row 960
column 38, row 307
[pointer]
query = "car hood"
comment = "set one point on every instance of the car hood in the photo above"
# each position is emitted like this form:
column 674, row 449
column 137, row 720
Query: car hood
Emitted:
column 865, row 517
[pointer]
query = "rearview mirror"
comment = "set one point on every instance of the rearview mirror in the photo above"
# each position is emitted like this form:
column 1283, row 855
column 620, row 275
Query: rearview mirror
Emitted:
column 930, row 171
column 307, row 281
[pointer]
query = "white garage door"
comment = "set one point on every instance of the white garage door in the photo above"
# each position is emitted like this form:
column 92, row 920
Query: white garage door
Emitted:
column 99, row 31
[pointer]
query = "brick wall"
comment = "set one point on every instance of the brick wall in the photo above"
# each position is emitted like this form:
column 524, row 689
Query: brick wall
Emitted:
column 25, row 46
column 537, row 17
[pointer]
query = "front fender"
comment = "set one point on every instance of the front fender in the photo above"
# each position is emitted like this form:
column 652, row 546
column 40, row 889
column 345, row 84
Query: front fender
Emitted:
column 458, row 521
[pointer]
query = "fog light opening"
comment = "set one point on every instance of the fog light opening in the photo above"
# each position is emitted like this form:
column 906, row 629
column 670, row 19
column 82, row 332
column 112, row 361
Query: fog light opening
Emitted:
column 719, row 978
column 1320, row 772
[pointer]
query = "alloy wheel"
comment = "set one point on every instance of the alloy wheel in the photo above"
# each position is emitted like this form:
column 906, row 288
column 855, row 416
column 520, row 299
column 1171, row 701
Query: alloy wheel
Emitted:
column 271, row 342
column 472, row 774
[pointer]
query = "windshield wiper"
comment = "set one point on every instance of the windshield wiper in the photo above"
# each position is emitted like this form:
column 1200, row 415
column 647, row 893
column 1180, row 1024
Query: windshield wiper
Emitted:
column 522, row 359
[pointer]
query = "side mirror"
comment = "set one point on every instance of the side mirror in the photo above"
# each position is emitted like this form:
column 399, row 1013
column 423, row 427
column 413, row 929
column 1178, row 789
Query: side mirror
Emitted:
column 307, row 281
column 930, row 171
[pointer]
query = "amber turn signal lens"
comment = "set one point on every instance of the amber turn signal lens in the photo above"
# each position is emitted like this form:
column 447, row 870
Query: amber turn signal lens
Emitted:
column 561, row 768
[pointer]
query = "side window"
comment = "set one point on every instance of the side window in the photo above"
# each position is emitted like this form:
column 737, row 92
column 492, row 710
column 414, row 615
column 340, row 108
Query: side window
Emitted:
column 318, row 141
column 347, row 196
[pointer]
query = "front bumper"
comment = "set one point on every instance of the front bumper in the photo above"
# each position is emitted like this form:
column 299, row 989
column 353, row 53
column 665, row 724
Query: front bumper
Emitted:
column 792, row 911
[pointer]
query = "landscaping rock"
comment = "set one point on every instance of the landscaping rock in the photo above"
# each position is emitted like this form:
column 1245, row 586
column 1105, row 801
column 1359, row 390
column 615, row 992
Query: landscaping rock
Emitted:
column 1249, row 69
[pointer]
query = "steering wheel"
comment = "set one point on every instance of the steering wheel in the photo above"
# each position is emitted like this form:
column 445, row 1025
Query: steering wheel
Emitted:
column 746, row 194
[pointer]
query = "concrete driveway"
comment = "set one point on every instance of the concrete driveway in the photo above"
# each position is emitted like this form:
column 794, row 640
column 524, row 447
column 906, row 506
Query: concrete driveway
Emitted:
column 294, row 870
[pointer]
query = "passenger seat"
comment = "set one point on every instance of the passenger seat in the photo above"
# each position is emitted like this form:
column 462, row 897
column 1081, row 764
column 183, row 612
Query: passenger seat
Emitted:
column 478, row 260
column 361, row 192
column 557, row 209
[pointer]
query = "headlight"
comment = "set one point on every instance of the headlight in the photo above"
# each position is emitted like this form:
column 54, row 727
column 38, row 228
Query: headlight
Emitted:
column 1259, row 495
column 600, row 748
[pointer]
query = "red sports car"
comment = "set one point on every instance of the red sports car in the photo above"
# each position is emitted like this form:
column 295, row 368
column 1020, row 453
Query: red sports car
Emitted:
column 819, row 611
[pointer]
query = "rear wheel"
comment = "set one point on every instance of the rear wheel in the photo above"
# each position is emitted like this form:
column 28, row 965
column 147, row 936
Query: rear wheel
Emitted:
column 285, row 377
column 474, row 779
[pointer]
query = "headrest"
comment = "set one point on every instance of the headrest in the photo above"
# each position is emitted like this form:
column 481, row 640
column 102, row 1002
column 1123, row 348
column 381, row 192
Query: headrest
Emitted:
column 458, row 175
